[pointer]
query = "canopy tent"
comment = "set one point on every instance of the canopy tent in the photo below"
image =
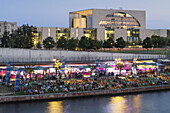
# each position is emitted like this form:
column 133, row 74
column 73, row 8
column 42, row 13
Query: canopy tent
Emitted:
column 148, row 63
column 40, row 68
column 12, row 69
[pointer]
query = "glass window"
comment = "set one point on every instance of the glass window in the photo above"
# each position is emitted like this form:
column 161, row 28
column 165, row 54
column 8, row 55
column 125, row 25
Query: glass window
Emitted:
column 119, row 20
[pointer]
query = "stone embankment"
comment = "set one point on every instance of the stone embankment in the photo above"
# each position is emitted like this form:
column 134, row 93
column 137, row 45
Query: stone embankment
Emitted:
column 4, row 99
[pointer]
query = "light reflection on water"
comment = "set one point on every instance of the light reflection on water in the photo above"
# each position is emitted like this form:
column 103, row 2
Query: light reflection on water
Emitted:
column 155, row 102
column 55, row 106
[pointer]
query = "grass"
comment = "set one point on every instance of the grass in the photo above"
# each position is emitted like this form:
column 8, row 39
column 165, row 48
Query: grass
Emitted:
column 5, row 89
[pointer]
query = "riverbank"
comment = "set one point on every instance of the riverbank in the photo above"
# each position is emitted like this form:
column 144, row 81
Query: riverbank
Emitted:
column 6, row 99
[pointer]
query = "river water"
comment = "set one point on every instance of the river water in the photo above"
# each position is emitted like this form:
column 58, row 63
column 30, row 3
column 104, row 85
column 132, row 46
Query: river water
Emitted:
column 154, row 102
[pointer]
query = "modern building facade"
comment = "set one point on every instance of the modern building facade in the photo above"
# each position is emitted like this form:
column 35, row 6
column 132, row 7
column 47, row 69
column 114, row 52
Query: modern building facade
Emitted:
column 7, row 26
column 129, row 24
column 55, row 32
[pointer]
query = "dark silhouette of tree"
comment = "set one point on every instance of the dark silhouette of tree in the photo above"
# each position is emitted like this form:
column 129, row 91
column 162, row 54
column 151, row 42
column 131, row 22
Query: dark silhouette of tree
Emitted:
column 147, row 43
column 62, row 43
column 72, row 43
column 109, row 43
column 11, row 42
column 39, row 45
column 84, row 43
column 159, row 42
column 23, row 36
column 120, row 43
column 5, row 39
column 48, row 43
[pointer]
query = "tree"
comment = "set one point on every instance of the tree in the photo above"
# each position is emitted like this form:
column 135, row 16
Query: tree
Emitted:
column 147, row 43
column 99, row 44
column 23, row 36
column 83, row 43
column 120, row 66
column 169, row 42
column 39, row 45
column 48, row 43
column 120, row 43
column 109, row 43
column 72, row 43
column 5, row 39
column 11, row 42
column 159, row 42
column 62, row 43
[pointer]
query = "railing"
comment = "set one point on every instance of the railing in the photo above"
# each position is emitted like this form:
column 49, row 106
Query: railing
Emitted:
column 79, row 59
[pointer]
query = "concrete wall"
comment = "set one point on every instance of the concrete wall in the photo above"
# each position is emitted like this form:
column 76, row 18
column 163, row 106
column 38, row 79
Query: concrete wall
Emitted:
column 76, row 32
column 101, row 34
column 144, row 33
column 159, row 32
column 47, row 31
column 7, row 53
column 120, row 33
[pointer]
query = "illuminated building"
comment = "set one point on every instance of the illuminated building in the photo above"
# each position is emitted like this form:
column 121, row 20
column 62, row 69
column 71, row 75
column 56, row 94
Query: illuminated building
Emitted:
column 108, row 23
column 62, row 32
column 55, row 32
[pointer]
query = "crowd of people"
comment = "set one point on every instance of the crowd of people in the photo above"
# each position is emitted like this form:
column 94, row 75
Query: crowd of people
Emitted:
column 50, row 85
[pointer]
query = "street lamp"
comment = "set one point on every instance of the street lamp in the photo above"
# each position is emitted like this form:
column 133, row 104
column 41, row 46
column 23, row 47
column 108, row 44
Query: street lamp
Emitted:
column 134, row 66
column 56, row 64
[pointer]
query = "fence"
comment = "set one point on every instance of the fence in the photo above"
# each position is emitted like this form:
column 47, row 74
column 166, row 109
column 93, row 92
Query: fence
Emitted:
column 80, row 59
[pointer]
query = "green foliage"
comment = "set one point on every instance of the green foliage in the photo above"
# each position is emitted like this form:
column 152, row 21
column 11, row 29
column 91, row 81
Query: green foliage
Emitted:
column 5, row 39
column 128, row 43
column 94, row 44
column 62, row 43
column 120, row 43
column 147, row 43
column 109, row 43
column 99, row 44
column 28, row 69
column 120, row 66
column 39, row 45
column 159, row 42
column 48, row 43
column 72, row 43
column 169, row 42
column 23, row 36
column 83, row 43
column 11, row 42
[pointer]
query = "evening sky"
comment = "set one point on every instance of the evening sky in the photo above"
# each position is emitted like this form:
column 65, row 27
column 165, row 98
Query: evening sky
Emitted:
column 55, row 13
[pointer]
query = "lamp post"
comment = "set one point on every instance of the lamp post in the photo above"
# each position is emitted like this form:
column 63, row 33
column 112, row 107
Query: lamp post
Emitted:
column 56, row 64
column 134, row 66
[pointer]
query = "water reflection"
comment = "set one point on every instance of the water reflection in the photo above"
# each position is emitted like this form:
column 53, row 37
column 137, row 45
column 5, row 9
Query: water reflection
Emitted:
column 155, row 102
column 124, row 104
column 117, row 105
column 55, row 107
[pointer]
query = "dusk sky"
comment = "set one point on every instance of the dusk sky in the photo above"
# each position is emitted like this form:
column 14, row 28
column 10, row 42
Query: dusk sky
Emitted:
column 55, row 13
